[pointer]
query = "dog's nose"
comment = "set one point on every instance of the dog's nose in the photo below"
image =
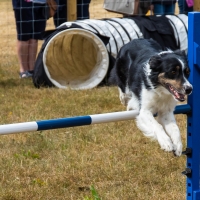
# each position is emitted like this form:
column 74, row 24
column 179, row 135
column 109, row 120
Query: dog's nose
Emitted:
column 188, row 89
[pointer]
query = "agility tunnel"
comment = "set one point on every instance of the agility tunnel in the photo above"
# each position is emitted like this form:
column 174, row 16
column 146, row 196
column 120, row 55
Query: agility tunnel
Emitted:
column 79, row 55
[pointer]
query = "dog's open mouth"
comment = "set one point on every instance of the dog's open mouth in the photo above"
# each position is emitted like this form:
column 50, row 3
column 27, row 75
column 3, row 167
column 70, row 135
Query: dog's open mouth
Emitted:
column 179, row 96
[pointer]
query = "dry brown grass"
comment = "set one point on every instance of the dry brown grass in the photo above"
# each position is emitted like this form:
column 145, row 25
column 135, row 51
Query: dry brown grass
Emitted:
column 61, row 164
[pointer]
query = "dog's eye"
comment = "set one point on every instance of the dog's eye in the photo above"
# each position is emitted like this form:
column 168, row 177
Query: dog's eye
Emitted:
column 187, row 71
column 173, row 72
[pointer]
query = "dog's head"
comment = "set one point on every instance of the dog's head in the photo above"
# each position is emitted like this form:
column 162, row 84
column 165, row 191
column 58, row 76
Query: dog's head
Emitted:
column 170, row 69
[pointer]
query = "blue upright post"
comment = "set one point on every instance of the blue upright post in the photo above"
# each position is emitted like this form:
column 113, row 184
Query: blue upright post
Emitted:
column 193, row 131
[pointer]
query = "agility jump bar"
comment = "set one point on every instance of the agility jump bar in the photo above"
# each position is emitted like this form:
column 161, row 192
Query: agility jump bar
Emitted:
column 66, row 122
column 77, row 121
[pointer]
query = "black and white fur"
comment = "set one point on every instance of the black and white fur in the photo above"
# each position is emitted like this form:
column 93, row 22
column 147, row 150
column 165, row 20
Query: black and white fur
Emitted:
column 152, row 81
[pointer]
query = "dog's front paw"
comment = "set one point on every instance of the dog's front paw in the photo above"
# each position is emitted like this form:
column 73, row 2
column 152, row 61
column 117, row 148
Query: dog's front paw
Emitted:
column 166, row 145
column 178, row 148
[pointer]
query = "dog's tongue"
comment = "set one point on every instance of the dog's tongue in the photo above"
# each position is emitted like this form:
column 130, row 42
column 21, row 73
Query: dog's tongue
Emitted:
column 177, row 95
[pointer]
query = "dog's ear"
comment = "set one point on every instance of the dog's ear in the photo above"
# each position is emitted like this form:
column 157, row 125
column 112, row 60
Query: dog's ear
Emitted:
column 155, row 61
column 180, row 52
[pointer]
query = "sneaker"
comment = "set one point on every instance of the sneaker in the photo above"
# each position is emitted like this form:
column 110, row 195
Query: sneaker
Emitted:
column 31, row 72
column 25, row 74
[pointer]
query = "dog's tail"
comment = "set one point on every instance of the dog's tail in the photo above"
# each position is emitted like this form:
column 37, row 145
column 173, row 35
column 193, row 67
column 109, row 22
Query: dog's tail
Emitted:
column 112, row 78
column 118, row 73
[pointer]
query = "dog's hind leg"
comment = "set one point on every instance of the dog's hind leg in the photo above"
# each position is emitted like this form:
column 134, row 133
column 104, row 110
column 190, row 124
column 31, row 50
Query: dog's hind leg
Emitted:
column 168, row 121
column 151, row 128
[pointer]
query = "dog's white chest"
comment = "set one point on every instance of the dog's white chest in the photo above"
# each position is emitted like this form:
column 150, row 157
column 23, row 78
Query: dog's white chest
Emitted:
column 158, row 100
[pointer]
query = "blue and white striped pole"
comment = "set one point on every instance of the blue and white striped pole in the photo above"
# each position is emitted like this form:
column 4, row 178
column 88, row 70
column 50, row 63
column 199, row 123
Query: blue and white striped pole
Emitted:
column 77, row 121
column 66, row 122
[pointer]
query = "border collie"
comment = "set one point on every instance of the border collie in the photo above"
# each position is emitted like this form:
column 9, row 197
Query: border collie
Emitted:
column 152, row 81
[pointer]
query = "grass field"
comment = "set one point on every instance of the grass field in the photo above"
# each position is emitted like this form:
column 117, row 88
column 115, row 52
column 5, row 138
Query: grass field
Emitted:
column 113, row 160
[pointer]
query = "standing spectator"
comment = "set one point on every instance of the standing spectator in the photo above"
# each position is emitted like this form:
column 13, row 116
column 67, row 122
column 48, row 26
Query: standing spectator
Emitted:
column 163, row 7
column 61, row 14
column 144, row 7
column 183, row 7
column 30, row 22
column 83, row 9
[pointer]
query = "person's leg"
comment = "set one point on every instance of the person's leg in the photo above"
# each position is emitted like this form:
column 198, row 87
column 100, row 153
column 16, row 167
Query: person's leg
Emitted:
column 23, row 16
column 170, row 9
column 32, row 53
column 180, row 5
column 36, row 33
column 22, row 53
column 61, row 14
column 188, row 9
column 144, row 7
column 83, row 9
column 183, row 7
column 158, row 9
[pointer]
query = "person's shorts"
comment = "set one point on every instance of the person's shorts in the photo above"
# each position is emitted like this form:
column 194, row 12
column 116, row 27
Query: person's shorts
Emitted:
column 30, row 21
